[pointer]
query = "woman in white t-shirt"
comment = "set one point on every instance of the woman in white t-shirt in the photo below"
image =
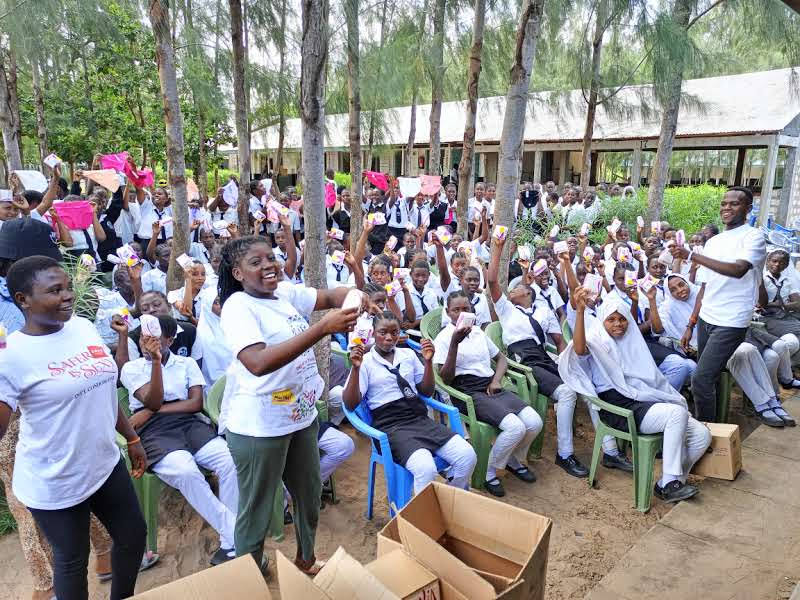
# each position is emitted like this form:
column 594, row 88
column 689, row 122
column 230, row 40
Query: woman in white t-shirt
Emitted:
column 268, row 409
column 62, row 377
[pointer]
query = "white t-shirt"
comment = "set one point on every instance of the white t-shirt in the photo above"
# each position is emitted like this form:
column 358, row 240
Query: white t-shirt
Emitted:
column 283, row 401
column 517, row 326
column 378, row 386
column 177, row 376
column 729, row 302
column 65, row 386
column 475, row 352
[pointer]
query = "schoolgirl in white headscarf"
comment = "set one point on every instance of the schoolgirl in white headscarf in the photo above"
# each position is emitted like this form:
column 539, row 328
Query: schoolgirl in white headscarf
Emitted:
column 216, row 355
column 610, row 360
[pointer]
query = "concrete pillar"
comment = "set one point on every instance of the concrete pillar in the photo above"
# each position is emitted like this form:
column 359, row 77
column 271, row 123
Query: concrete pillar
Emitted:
column 537, row 166
column 636, row 167
column 768, row 179
column 789, row 193
column 562, row 167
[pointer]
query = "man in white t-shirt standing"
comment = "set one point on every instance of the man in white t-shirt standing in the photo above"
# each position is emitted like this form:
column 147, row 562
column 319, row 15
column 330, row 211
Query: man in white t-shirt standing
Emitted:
column 730, row 275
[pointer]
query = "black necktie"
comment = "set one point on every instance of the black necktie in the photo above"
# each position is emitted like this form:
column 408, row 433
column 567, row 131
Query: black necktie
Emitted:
column 405, row 387
column 549, row 302
column 162, row 235
column 779, row 286
column 425, row 308
column 338, row 272
column 537, row 329
column 419, row 217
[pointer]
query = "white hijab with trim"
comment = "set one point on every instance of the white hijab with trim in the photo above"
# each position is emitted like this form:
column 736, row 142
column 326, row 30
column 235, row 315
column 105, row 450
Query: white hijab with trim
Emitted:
column 625, row 362
column 675, row 313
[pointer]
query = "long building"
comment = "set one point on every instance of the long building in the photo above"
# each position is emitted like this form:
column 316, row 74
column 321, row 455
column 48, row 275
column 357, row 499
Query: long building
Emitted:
column 735, row 129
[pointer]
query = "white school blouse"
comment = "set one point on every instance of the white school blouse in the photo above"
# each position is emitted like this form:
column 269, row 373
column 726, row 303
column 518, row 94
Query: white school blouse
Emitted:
column 479, row 305
column 378, row 386
column 280, row 402
column 517, row 326
column 177, row 376
column 475, row 352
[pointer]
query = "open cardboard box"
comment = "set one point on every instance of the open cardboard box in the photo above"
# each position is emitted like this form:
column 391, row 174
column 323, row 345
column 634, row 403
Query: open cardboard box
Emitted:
column 479, row 548
column 342, row 578
column 234, row 580
column 405, row 577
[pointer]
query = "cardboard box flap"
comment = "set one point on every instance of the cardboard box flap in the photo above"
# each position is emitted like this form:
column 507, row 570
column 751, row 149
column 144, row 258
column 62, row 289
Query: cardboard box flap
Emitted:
column 443, row 564
column 400, row 573
column 294, row 583
column 344, row 578
column 233, row 580
column 504, row 530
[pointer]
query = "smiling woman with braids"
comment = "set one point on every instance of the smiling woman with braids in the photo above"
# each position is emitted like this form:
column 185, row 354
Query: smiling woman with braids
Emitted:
column 273, row 384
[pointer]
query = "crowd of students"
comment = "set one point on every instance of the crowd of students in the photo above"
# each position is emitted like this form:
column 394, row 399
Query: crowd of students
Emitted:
column 638, row 323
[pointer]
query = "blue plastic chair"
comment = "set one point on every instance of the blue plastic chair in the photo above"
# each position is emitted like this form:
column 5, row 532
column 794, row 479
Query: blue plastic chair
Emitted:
column 341, row 339
column 399, row 481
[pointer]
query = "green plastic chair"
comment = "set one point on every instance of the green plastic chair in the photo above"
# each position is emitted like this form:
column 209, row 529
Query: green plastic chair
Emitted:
column 495, row 332
column 566, row 332
column 724, row 387
column 643, row 450
column 481, row 434
column 147, row 487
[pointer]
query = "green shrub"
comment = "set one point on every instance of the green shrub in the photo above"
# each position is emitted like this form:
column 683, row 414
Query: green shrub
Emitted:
column 7, row 522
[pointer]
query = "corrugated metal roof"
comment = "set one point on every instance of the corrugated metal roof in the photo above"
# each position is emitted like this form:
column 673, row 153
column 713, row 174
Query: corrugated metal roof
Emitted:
column 762, row 102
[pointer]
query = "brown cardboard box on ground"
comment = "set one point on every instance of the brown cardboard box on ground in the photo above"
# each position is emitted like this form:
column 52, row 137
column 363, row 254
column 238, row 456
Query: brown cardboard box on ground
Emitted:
column 405, row 576
column 725, row 459
column 234, row 580
column 478, row 547
column 342, row 578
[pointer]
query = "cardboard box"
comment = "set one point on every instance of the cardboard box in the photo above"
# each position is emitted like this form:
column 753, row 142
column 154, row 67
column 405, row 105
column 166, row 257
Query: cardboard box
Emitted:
column 725, row 459
column 342, row 578
column 405, row 577
column 234, row 580
column 479, row 548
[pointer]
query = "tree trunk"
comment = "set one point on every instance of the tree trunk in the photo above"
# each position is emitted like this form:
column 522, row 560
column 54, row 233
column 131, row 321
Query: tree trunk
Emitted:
column 373, row 103
column 669, row 124
column 38, row 99
column 412, row 133
column 514, row 120
column 14, row 100
column 468, row 151
column 281, row 93
column 240, row 112
column 11, row 141
column 437, row 88
column 201, row 170
column 167, row 76
column 312, row 119
column 354, row 97
column 591, row 109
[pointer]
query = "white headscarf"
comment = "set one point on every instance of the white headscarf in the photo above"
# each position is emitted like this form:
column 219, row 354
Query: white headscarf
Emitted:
column 625, row 362
column 675, row 313
column 216, row 355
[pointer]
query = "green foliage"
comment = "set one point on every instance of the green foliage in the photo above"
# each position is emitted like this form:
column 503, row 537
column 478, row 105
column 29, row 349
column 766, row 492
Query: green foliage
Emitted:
column 7, row 522
column 343, row 179
column 83, row 284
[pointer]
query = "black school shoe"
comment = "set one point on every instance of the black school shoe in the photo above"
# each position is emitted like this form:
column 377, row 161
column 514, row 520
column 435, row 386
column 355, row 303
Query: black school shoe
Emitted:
column 620, row 462
column 675, row 491
column 769, row 418
column 222, row 555
column 495, row 488
column 572, row 465
column 523, row 473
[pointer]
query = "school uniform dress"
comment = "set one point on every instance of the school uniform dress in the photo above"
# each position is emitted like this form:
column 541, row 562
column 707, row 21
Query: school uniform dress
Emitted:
column 150, row 214
column 779, row 321
column 474, row 372
column 336, row 275
column 524, row 334
column 480, row 305
column 547, row 297
column 424, row 301
column 397, row 218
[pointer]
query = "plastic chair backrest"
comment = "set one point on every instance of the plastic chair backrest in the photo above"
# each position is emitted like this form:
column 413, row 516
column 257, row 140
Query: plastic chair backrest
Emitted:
column 124, row 401
column 214, row 399
column 431, row 323
column 363, row 412
column 495, row 332
column 566, row 332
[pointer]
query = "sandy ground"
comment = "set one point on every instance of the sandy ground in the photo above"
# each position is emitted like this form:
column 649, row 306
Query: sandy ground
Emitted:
column 592, row 529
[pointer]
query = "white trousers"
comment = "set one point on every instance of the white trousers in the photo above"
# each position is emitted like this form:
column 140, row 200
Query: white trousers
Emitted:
column 778, row 359
column 179, row 469
column 566, row 400
column 751, row 373
column 517, row 432
column 336, row 447
column 685, row 439
column 457, row 451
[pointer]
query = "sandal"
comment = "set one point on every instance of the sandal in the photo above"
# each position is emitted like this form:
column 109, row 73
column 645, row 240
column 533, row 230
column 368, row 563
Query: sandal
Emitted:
column 312, row 570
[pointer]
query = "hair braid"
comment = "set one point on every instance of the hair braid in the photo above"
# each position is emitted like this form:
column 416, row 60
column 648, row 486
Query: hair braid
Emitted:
column 232, row 253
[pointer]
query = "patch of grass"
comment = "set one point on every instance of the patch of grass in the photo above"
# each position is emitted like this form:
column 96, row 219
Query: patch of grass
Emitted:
column 7, row 522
